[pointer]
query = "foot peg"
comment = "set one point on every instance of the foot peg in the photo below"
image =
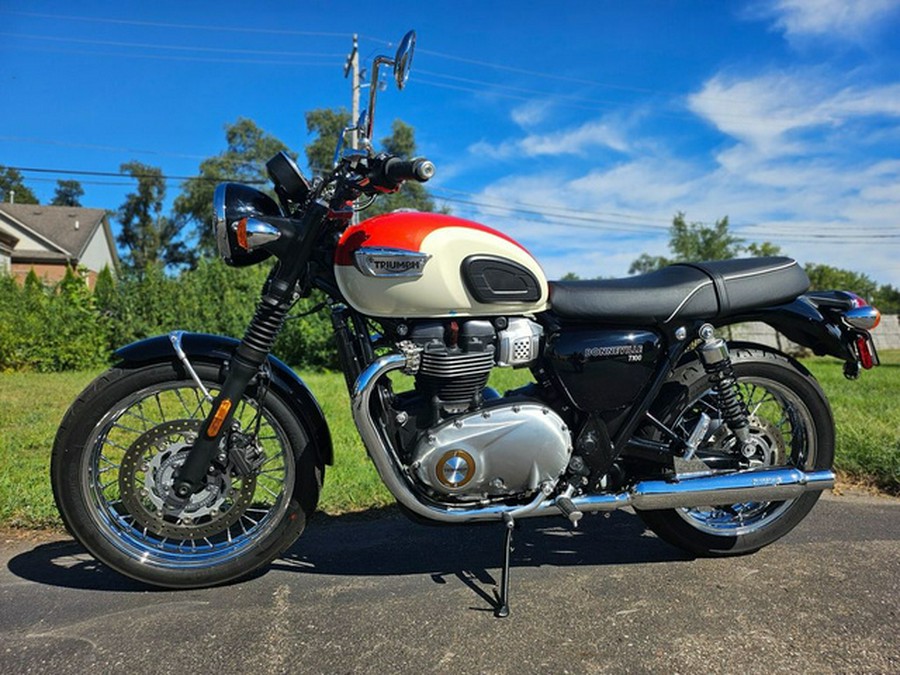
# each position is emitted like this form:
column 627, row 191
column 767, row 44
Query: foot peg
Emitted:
column 569, row 510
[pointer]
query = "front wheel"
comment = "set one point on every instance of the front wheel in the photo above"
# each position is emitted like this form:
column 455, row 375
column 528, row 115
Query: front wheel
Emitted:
column 116, row 455
column 790, row 425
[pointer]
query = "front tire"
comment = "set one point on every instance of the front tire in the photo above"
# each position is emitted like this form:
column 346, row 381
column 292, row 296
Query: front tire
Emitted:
column 791, row 425
column 113, row 464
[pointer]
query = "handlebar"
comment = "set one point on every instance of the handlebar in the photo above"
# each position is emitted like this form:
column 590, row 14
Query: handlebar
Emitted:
column 398, row 170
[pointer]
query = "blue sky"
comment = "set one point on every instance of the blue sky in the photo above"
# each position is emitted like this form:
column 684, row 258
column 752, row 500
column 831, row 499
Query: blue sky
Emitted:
column 579, row 128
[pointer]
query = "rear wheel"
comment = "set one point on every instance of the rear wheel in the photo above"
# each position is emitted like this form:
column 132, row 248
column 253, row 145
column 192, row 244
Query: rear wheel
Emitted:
column 115, row 458
column 790, row 425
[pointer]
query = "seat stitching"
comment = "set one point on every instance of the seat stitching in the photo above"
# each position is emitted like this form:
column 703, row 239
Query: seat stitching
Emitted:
column 689, row 296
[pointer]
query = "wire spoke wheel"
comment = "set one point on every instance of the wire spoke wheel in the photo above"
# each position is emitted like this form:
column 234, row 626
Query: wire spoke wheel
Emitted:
column 117, row 456
column 781, row 434
column 130, row 468
column 790, row 425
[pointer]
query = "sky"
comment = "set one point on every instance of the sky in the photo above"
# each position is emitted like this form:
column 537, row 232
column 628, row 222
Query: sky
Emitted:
column 579, row 128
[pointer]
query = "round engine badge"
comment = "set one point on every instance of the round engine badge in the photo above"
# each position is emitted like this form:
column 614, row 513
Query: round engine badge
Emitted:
column 455, row 468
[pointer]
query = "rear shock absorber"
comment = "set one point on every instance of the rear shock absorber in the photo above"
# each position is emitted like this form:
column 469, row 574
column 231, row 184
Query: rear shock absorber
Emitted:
column 717, row 363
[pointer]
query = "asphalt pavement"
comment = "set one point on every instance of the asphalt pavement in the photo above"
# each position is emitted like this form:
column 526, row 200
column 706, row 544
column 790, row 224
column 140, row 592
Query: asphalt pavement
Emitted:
column 380, row 594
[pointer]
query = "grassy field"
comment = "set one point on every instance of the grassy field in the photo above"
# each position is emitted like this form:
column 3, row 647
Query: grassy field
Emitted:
column 867, row 412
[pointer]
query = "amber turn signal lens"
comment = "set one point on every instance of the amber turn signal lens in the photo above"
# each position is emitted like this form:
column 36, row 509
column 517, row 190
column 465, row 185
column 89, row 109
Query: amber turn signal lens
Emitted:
column 218, row 418
column 241, row 234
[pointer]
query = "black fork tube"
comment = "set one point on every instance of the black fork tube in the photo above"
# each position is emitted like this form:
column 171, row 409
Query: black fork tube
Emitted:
column 249, row 356
column 252, row 352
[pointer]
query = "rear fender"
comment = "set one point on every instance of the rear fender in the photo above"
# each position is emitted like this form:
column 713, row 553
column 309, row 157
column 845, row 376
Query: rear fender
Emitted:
column 218, row 349
column 801, row 321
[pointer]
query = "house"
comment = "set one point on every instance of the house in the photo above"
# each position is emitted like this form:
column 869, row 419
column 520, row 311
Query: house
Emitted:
column 48, row 239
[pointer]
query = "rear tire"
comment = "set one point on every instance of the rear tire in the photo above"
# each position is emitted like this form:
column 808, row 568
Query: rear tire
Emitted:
column 792, row 425
column 113, row 462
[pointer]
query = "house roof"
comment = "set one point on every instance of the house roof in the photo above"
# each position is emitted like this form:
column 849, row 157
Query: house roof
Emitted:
column 7, row 241
column 68, row 229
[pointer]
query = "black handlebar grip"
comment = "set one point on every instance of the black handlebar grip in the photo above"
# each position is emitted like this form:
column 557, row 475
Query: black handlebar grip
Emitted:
column 398, row 170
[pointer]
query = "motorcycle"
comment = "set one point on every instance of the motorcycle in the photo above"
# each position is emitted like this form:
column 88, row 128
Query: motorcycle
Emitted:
column 198, row 459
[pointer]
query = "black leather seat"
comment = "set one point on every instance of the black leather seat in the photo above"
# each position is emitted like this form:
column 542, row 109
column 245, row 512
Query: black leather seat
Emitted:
column 682, row 292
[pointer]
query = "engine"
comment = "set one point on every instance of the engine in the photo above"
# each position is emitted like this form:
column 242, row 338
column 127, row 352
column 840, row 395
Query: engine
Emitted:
column 463, row 441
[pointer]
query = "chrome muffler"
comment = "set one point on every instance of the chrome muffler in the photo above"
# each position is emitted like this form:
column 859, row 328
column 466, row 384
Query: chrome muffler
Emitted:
column 755, row 485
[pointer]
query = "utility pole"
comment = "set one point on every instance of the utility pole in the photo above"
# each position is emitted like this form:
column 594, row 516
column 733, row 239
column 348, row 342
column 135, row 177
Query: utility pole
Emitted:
column 352, row 66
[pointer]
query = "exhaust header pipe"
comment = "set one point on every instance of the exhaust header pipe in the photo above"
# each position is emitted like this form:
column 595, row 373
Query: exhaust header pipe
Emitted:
column 756, row 485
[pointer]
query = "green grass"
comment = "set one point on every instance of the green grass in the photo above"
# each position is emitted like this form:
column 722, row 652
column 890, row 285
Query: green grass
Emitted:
column 867, row 413
column 867, row 417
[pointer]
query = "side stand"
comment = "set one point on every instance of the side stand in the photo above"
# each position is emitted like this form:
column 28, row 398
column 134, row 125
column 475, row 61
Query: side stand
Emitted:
column 503, row 610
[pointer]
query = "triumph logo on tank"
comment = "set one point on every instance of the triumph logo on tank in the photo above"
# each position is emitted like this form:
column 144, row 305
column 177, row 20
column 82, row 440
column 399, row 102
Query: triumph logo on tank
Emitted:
column 390, row 262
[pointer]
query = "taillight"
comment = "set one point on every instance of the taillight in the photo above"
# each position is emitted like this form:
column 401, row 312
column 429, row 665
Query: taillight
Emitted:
column 865, row 354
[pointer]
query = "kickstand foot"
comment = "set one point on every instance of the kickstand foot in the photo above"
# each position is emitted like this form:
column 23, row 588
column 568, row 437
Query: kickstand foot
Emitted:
column 503, row 608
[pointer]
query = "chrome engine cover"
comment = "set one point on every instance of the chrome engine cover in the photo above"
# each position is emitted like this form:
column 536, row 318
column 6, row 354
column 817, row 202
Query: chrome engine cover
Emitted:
column 498, row 451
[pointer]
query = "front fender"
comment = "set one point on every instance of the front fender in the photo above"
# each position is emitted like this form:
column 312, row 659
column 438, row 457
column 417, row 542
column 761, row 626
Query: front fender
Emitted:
column 219, row 349
column 800, row 321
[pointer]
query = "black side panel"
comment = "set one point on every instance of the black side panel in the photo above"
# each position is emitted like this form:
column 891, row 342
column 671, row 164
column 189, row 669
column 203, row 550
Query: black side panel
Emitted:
column 218, row 349
column 491, row 279
column 601, row 369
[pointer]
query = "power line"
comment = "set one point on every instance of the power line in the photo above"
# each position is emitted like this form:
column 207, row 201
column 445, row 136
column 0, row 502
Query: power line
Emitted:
column 452, row 57
column 538, row 213
column 119, row 174
column 535, row 73
column 156, row 45
column 611, row 214
column 631, row 228
column 163, row 24
column 587, row 220
column 93, row 146
column 566, row 212
column 195, row 59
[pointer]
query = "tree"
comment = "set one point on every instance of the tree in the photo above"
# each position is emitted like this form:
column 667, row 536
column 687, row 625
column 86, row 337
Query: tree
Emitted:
column 697, row 242
column 243, row 161
column 887, row 299
column 11, row 181
column 412, row 194
column 68, row 193
column 327, row 124
column 826, row 278
column 149, row 237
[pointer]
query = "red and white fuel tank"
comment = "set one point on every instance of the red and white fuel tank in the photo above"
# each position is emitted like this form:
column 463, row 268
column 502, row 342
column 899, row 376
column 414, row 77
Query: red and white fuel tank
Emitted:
column 417, row 265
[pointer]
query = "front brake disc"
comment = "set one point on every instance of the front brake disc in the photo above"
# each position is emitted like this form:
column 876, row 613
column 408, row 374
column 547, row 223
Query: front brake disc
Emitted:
column 148, row 471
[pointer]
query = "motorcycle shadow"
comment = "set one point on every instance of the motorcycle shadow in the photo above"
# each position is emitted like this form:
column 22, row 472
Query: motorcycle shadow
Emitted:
column 393, row 545
column 67, row 564
column 382, row 542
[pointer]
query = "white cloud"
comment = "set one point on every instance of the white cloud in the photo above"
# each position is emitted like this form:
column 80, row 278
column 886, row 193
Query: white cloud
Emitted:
column 768, row 112
column 831, row 19
column 576, row 141
column 806, row 158
column 531, row 113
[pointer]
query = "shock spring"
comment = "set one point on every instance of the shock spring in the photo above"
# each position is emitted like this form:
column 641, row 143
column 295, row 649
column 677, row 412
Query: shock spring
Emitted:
column 718, row 366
